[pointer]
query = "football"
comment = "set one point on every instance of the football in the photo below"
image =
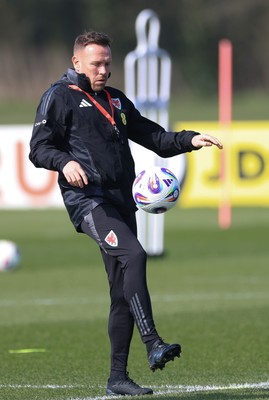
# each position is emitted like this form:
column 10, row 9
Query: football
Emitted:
column 156, row 190
column 9, row 255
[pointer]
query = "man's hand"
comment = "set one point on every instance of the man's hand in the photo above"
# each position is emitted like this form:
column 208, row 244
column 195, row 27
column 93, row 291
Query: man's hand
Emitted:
column 205, row 141
column 74, row 174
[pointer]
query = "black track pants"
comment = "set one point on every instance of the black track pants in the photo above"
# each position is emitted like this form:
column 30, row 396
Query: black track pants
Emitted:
column 125, row 262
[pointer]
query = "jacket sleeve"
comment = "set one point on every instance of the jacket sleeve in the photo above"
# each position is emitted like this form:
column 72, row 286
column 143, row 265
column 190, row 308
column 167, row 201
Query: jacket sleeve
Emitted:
column 47, row 145
column 154, row 137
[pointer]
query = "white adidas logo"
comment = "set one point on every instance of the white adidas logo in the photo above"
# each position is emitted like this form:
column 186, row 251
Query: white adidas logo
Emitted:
column 84, row 103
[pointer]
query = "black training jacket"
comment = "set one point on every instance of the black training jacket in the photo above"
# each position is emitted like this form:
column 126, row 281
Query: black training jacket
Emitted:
column 68, row 126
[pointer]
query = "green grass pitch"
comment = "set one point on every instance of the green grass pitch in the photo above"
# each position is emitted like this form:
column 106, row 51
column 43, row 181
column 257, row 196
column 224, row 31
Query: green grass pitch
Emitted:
column 210, row 292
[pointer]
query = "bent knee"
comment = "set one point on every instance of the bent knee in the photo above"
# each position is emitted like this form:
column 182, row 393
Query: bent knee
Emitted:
column 137, row 257
column 139, row 253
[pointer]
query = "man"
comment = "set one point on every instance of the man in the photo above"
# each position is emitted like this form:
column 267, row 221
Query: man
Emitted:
column 81, row 130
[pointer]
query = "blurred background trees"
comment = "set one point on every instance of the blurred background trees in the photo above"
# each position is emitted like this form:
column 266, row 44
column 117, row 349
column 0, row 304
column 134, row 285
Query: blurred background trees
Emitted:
column 36, row 40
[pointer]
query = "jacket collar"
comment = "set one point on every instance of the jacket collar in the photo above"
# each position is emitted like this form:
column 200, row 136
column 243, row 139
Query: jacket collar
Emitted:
column 78, row 79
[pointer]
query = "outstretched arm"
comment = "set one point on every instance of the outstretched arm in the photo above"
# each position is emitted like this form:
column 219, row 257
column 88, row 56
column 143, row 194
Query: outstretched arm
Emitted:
column 205, row 141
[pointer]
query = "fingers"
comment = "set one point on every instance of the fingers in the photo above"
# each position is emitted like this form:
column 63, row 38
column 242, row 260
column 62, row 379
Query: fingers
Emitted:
column 213, row 140
column 75, row 175
column 206, row 141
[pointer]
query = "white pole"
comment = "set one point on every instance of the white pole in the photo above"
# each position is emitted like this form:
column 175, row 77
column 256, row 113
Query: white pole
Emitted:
column 147, row 84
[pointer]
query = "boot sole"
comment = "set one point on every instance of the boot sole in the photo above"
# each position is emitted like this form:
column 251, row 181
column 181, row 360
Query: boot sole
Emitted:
column 167, row 356
column 121, row 392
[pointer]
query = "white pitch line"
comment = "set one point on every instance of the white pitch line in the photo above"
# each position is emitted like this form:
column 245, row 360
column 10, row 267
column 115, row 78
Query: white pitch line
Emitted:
column 28, row 386
column 45, row 302
column 209, row 388
column 169, row 298
column 158, row 390
column 180, row 389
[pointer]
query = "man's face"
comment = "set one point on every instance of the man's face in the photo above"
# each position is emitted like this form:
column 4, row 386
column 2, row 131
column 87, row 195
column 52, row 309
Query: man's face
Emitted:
column 95, row 62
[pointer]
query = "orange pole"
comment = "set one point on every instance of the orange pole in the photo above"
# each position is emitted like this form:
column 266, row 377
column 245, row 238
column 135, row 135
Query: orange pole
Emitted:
column 225, row 119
